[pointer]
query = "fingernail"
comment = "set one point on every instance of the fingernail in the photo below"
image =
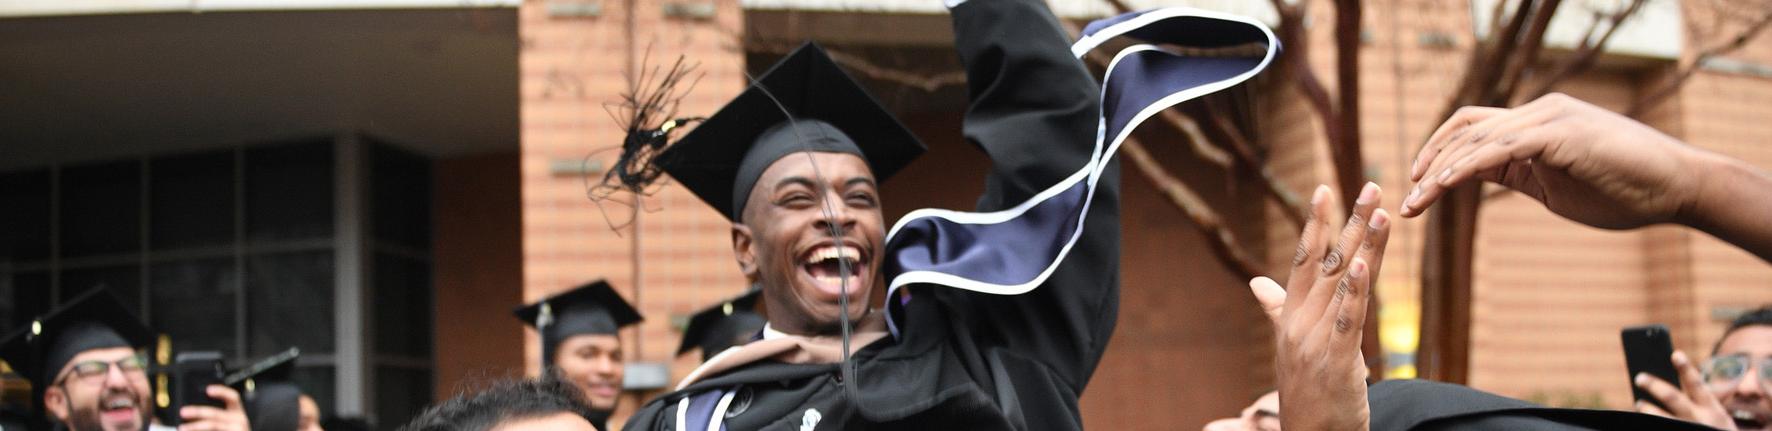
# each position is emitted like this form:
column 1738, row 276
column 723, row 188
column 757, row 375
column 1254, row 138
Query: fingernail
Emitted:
column 1367, row 194
column 1415, row 167
column 1679, row 358
column 1445, row 175
column 1318, row 196
column 1380, row 218
column 1359, row 269
column 1642, row 379
column 1413, row 195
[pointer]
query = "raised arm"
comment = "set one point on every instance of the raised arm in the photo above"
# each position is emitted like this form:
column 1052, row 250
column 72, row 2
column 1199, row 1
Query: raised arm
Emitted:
column 1034, row 111
column 1598, row 168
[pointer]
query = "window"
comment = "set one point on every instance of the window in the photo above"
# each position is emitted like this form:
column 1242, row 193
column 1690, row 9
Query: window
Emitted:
column 234, row 250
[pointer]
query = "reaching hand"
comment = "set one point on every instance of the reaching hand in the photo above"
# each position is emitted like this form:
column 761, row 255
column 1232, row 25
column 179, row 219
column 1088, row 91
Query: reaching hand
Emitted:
column 1689, row 401
column 1582, row 162
column 1318, row 317
column 231, row 417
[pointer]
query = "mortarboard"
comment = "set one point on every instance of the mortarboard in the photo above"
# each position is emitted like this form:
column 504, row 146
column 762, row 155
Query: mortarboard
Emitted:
column 93, row 320
column 271, row 398
column 592, row 308
column 723, row 157
column 732, row 322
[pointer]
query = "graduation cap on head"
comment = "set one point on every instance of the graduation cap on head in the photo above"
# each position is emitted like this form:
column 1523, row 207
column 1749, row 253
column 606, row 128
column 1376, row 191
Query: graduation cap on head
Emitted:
column 592, row 308
column 730, row 323
column 825, row 111
column 93, row 320
column 267, row 388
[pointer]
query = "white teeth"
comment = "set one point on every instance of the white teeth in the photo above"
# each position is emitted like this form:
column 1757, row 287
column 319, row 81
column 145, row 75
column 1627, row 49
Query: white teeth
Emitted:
column 1742, row 415
column 851, row 254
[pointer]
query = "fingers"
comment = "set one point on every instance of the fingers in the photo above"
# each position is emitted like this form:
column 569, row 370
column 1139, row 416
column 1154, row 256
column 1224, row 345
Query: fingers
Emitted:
column 1451, row 130
column 1677, row 403
column 1646, row 407
column 1271, row 296
column 229, row 398
column 1692, row 381
column 1378, row 235
column 1497, row 127
column 1348, row 310
column 1305, row 260
column 1335, row 260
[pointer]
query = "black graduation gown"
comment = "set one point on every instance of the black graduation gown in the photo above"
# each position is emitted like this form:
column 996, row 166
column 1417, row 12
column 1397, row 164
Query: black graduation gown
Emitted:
column 1425, row 405
column 967, row 360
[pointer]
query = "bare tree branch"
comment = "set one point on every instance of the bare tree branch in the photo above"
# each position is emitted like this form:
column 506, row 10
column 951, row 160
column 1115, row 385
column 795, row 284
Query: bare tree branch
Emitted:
column 1671, row 85
column 1526, row 56
column 1344, row 150
column 1587, row 53
column 1224, row 242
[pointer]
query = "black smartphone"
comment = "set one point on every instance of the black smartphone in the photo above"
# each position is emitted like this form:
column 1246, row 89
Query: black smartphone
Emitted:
column 1648, row 349
column 191, row 374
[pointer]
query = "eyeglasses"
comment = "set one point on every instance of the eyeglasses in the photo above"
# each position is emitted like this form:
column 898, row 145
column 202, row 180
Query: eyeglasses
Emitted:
column 89, row 370
column 1723, row 372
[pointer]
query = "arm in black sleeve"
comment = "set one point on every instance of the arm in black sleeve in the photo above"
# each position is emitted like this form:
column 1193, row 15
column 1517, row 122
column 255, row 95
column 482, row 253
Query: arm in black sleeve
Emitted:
column 1034, row 111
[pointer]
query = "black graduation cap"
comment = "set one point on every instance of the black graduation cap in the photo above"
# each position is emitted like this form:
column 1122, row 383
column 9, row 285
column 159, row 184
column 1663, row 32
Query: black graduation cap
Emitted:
column 730, row 323
column 93, row 320
column 592, row 308
column 271, row 398
column 721, row 159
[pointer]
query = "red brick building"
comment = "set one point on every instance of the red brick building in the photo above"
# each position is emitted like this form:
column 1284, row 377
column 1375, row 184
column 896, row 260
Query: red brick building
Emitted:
column 447, row 146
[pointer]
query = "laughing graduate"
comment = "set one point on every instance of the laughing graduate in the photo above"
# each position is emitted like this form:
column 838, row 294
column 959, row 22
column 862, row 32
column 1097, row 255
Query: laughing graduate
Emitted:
column 796, row 163
column 581, row 339
column 87, row 373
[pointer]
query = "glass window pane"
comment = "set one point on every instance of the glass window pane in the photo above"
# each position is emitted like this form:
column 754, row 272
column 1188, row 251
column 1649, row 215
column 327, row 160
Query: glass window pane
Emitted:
column 400, row 393
column 289, row 302
column 124, row 281
column 194, row 302
column 289, row 191
column 401, row 196
column 25, row 197
column 402, row 308
column 27, row 296
column 318, row 383
column 191, row 200
column 101, row 209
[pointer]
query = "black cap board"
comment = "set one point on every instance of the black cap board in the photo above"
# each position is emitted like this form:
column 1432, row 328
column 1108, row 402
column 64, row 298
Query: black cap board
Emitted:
column 92, row 320
column 591, row 308
column 723, row 157
column 731, row 322
column 271, row 398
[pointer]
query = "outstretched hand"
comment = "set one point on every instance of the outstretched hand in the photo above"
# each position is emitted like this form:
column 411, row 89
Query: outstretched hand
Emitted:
column 1320, row 313
column 1581, row 161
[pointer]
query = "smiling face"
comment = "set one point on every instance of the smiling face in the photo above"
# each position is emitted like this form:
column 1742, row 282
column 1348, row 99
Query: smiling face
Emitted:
column 784, row 239
column 592, row 362
column 1746, row 398
column 113, row 401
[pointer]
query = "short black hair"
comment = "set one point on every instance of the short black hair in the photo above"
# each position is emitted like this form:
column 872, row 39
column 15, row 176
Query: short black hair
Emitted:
column 1757, row 317
column 505, row 401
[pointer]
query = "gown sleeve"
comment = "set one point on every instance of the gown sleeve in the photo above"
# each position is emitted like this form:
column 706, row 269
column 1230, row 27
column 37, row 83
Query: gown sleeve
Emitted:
column 1033, row 110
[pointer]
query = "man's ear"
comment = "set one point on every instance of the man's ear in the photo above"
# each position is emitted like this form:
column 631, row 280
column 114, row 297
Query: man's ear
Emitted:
column 744, row 250
column 56, row 402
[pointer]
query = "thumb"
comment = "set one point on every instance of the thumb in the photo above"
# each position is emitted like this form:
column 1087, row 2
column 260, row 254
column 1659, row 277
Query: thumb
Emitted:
column 1271, row 296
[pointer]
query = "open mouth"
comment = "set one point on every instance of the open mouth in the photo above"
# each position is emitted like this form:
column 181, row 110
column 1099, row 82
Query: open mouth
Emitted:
column 830, row 268
column 119, row 407
column 1747, row 420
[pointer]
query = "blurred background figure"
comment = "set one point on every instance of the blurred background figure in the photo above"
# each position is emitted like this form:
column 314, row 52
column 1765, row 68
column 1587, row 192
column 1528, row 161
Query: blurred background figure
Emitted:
column 581, row 339
column 1729, row 391
column 310, row 415
column 732, row 322
column 1261, row 415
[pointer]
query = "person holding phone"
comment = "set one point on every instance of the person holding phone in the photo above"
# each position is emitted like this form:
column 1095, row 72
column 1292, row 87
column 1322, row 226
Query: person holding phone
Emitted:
column 88, row 374
column 1729, row 390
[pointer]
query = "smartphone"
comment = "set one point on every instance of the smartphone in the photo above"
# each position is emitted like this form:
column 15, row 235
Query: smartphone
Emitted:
column 1648, row 349
column 191, row 374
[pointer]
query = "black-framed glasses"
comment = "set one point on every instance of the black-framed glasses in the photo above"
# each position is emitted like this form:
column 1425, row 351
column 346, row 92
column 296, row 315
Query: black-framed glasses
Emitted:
column 1723, row 372
column 88, row 370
